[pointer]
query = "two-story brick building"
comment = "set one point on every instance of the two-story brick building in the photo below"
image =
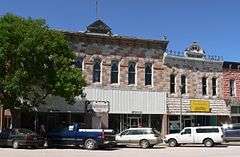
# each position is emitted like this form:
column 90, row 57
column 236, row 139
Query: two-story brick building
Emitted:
column 231, row 88
column 143, row 85
column 195, row 95
column 125, row 71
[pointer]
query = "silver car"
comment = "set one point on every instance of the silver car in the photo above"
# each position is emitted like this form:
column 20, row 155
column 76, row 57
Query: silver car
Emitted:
column 143, row 137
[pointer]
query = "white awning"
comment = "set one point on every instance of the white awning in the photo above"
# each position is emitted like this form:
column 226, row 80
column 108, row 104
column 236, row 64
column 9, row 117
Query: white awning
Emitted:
column 130, row 101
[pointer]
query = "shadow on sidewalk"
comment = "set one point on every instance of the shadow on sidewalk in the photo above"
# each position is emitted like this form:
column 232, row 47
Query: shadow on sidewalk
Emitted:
column 202, row 146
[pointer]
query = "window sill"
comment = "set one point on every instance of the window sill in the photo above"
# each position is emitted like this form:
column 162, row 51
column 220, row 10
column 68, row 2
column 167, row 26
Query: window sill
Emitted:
column 215, row 97
column 115, row 84
column 97, row 83
column 205, row 96
column 132, row 85
column 149, row 86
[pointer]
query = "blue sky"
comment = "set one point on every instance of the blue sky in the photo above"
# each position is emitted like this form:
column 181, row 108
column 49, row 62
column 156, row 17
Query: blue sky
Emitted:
column 214, row 24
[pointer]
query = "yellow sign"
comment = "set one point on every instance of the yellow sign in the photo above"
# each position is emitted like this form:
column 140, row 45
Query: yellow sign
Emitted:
column 200, row 106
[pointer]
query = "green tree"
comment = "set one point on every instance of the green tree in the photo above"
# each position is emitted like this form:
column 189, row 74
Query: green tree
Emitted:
column 35, row 62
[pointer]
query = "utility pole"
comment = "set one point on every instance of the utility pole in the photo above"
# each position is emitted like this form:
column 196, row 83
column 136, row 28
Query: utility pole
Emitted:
column 180, row 119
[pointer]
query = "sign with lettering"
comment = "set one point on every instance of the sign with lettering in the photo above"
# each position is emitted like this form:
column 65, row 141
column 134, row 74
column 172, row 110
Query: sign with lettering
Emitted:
column 136, row 112
column 98, row 106
column 200, row 106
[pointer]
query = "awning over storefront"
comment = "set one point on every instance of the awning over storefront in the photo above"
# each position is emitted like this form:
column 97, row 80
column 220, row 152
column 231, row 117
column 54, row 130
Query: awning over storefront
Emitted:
column 58, row 104
column 233, row 102
column 130, row 101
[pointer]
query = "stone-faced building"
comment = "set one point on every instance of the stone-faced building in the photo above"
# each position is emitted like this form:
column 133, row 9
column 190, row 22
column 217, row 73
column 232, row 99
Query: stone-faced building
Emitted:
column 127, row 72
column 231, row 88
column 195, row 89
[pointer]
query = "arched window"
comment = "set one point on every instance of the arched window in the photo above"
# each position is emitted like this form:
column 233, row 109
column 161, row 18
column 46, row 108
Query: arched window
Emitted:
column 172, row 83
column 79, row 63
column 148, row 74
column 204, row 86
column 214, row 86
column 183, row 84
column 131, row 73
column 97, row 70
column 114, row 72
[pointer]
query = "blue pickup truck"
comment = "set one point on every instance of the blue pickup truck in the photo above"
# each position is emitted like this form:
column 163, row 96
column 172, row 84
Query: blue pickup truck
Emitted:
column 86, row 138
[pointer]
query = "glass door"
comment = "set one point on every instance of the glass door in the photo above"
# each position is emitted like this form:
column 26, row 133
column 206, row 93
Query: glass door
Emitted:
column 134, row 122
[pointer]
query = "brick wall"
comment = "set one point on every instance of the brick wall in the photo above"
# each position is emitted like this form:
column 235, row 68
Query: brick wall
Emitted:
column 194, row 70
column 229, row 74
column 123, row 50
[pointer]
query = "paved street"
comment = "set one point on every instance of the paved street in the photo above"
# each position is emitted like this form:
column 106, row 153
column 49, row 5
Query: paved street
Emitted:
column 160, row 151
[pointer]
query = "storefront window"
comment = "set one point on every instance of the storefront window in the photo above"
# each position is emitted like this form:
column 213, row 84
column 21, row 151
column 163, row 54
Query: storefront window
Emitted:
column 235, row 109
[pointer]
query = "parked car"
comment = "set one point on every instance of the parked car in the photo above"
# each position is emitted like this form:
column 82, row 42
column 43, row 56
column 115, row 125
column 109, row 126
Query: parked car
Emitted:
column 143, row 137
column 74, row 135
column 231, row 132
column 20, row 137
column 207, row 135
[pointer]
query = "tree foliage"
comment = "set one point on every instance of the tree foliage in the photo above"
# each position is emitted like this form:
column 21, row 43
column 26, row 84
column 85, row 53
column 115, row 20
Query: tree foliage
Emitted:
column 35, row 62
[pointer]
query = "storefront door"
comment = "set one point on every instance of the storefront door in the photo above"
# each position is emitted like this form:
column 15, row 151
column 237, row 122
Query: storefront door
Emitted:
column 134, row 122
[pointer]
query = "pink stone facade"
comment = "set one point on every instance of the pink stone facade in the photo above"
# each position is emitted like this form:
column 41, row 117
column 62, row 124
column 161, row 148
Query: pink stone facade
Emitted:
column 231, row 74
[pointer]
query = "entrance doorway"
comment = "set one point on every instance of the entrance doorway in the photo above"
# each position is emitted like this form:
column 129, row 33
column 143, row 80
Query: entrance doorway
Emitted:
column 134, row 122
column 187, row 121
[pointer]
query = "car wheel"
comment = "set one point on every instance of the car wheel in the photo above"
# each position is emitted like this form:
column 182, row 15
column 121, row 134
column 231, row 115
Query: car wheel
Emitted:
column 151, row 146
column 144, row 144
column 208, row 142
column 15, row 144
column 90, row 144
column 172, row 143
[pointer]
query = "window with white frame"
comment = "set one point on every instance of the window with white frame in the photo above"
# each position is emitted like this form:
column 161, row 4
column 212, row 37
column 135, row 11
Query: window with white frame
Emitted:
column 172, row 83
column 148, row 74
column 131, row 73
column 232, row 90
column 97, row 70
column 114, row 72
column 214, row 86
column 204, row 86
column 79, row 63
column 183, row 84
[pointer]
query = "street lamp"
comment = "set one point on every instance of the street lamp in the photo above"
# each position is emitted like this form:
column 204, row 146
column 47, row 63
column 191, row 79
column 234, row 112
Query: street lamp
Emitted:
column 180, row 119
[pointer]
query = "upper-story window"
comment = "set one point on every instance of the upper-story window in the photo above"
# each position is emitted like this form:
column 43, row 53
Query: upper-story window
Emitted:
column 214, row 86
column 97, row 70
column 131, row 73
column 79, row 63
column 232, row 89
column 172, row 83
column 148, row 74
column 204, row 86
column 183, row 84
column 114, row 72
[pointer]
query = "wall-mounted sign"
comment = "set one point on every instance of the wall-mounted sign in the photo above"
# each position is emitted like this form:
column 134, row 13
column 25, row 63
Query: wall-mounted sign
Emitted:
column 136, row 112
column 98, row 106
column 200, row 106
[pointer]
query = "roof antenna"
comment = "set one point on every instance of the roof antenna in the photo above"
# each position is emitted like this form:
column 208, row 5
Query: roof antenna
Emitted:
column 97, row 16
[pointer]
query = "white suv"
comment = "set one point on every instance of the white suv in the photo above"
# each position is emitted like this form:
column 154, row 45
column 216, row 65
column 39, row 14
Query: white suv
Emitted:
column 143, row 137
column 207, row 135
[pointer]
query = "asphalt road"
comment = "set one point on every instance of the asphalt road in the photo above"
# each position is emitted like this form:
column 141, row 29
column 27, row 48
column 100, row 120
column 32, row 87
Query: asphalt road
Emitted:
column 232, row 150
